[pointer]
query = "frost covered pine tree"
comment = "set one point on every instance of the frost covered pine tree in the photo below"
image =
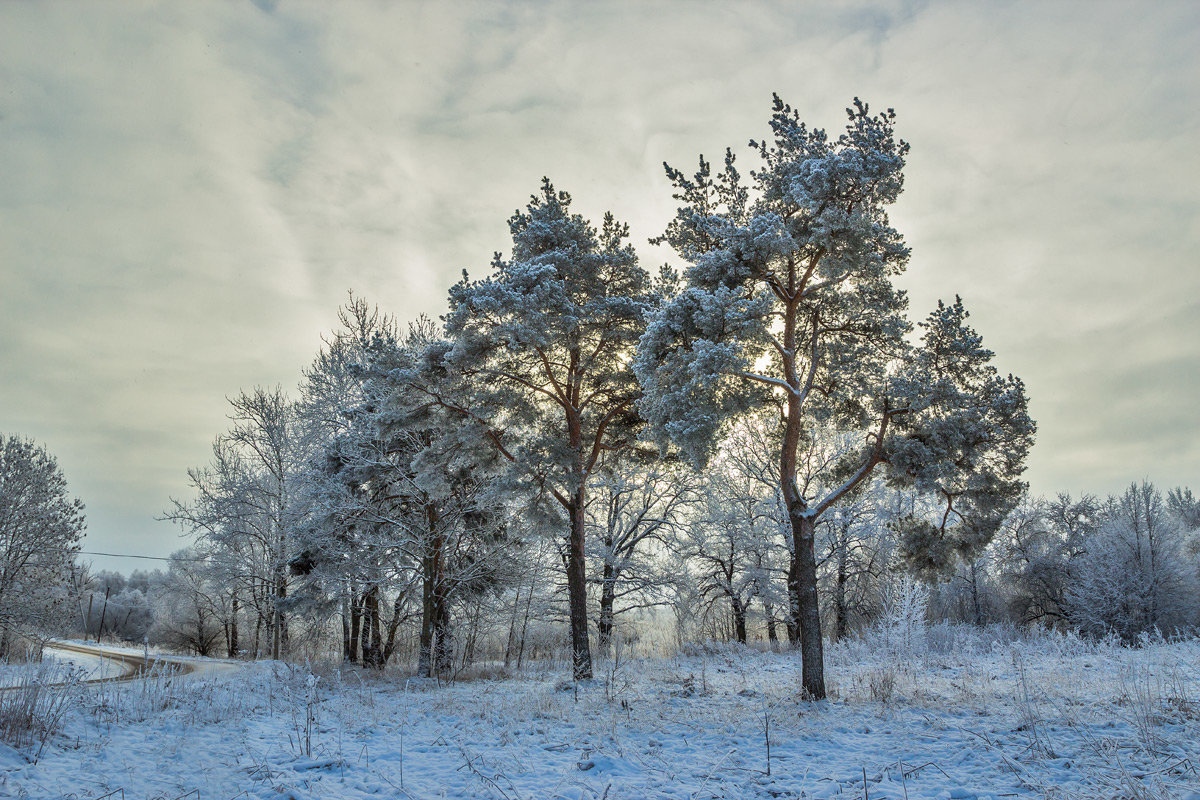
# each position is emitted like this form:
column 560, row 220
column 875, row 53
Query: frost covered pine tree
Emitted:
column 453, row 512
column 544, row 346
column 40, row 530
column 789, row 305
column 356, row 538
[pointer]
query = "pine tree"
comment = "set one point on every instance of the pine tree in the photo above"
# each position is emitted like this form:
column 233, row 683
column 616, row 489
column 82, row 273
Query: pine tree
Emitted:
column 455, row 515
column 789, row 306
column 356, row 542
column 542, row 348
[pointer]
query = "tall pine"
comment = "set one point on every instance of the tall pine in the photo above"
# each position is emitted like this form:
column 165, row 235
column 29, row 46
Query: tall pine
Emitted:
column 789, row 307
column 543, row 349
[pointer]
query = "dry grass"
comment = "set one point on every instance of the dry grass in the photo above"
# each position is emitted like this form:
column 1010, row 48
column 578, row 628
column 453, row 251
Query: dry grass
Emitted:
column 34, row 710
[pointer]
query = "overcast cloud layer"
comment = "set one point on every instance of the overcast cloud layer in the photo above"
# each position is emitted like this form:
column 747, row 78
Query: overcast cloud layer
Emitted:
column 189, row 190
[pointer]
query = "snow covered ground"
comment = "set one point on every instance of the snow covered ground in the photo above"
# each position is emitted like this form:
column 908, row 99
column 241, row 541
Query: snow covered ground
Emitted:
column 936, row 713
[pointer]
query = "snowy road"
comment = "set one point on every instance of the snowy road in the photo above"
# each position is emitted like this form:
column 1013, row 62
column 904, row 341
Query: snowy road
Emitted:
column 97, row 664
column 102, row 664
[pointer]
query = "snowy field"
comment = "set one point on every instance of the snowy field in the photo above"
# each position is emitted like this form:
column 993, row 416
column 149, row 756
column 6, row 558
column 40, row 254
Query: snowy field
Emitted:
column 932, row 713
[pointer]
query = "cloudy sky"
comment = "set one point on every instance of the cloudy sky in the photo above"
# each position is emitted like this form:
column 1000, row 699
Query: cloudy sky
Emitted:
column 188, row 191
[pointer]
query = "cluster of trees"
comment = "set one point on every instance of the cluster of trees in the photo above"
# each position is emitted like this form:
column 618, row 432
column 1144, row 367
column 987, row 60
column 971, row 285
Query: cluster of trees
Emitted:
column 757, row 444
column 572, row 398
column 1125, row 565
column 690, row 557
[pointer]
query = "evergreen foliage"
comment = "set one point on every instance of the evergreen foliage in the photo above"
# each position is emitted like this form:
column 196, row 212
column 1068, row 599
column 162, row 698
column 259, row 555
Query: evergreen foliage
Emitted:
column 789, row 306
column 543, row 346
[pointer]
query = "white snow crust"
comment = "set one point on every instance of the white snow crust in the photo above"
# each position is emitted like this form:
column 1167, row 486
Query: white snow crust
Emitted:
column 959, row 714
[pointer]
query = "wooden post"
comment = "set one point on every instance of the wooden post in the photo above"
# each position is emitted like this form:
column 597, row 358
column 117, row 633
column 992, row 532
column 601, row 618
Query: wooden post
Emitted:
column 103, row 611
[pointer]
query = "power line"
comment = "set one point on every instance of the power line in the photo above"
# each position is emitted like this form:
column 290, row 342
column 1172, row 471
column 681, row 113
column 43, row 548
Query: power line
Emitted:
column 206, row 559
column 148, row 558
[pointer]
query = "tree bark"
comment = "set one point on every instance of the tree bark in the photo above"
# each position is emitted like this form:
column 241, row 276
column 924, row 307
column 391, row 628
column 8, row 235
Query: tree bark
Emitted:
column 841, row 623
column 431, row 579
column 389, row 642
column 802, row 587
column 355, row 624
column 258, row 624
column 581, row 654
column 739, row 619
column 232, row 643
column 202, row 641
column 604, row 627
column 425, row 646
column 976, row 606
column 512, row 630
column 445, row 658
column 443, row 646
column 772, row 633
column 103, row 613
column 372, row 651
column 279, row 632
column 347, row 647
column 525, row 624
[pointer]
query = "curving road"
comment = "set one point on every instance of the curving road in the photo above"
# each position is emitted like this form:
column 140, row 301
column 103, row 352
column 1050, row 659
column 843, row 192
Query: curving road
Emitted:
column 133, row 666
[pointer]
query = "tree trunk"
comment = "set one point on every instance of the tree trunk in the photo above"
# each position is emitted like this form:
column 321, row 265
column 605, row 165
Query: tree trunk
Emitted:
column 431, row 577
column 389, row 642
column 976, row 607
column 444, row 655
column 279, row 632
column 201, row 643
column 258, row 624
column 802, row 589
column 372, row 651
column 772, row 634
column 425, row 648
column 604, row 627
column 581, row 654
column 232, row 639
column 525, row 624
column 347, row 647
column 443, row 646
column 355, row 624
column 103, row 613
column 739, row 619
column 841, row 623
column 512, row 630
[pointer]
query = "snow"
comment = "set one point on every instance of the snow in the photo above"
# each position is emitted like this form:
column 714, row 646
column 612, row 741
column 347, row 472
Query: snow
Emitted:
column 959, row 714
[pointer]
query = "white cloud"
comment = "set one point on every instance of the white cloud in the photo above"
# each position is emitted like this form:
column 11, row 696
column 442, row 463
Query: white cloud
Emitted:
column 191, row 189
